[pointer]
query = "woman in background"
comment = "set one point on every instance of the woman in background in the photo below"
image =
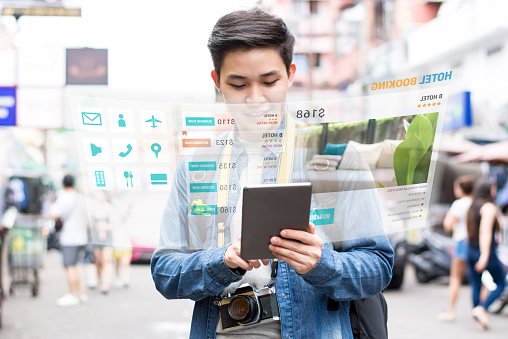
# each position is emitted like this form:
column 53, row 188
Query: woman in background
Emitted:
column 482, row 225
column 455, row 221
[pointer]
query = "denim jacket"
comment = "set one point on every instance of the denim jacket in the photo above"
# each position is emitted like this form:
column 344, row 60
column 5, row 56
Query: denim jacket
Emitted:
column 188, row 264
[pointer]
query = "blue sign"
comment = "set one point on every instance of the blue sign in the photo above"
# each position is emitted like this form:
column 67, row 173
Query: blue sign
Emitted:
column 7, row 106
column 458, row 112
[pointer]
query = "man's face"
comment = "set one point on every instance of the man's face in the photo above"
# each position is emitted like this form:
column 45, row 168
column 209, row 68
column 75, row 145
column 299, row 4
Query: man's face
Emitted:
column 254, row 83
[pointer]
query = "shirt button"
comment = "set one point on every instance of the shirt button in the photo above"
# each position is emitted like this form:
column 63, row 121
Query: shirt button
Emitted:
column 225, row 280
column 234, row 278
column 288, row 336
column 284, row 296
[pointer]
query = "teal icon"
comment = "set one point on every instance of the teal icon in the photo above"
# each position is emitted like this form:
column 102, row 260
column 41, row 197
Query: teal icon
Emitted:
column 200, row 121
column 202, row 166
column 153, row 121
column 100, row 181
column 159, row 179
column 93, row 119
column 95, row 150
column 121, row 121
column 156, row 148
column 128, row 175
column 126, row 153
column 323, row 216
column 197, row 209
column 205, row 187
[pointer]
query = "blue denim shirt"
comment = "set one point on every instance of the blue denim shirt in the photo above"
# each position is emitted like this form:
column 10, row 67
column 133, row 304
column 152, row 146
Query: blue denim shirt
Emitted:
column 188, row 264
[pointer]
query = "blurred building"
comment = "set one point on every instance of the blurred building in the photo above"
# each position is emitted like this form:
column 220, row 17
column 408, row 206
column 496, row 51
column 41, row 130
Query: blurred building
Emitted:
column 334, row 38
column 343, row 46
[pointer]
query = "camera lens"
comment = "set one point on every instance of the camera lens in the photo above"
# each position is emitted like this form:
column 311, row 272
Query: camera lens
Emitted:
column 243, row 309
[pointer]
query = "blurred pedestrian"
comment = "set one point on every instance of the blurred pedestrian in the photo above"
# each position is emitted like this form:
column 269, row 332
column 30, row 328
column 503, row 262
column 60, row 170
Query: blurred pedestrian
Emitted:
column 455, row 221
column 89, row 261
column 70, row 209
column 7, row 220
column 104, row 218
column 482, row 226
column 122, row 250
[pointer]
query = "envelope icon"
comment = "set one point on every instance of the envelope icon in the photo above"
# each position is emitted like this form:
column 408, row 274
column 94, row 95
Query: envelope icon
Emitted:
column 94, row 119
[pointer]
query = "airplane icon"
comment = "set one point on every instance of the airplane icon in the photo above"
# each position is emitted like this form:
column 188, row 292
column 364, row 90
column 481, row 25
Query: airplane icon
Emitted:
column 153, row 121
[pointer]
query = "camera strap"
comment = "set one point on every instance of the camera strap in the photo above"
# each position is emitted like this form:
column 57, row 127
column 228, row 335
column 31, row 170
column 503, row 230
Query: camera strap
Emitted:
column 275, row 267
column 283, row 175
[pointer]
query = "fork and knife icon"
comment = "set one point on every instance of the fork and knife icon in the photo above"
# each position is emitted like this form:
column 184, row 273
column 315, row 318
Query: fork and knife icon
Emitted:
column 128, row 175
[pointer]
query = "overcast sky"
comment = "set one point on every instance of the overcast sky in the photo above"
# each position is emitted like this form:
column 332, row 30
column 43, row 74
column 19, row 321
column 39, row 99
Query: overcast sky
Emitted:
column 153, row 45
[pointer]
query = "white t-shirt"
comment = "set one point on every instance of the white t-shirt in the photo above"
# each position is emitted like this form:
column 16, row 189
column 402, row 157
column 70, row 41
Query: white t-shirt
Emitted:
column 459, row 210
column 70, row 207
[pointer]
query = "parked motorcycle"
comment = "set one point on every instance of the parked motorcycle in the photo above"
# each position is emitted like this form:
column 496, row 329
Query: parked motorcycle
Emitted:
column 400, row 250
column 432, row 257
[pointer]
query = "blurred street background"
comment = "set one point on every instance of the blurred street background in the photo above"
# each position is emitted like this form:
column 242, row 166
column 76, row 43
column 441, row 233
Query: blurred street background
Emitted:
column 156, row 50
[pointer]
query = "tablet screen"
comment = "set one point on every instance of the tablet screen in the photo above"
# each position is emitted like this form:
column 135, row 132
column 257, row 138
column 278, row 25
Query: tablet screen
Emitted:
column 267, row 210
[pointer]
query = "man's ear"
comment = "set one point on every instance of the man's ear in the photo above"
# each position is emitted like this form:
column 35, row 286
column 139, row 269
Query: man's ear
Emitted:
column 215, row 78
column 291, row 75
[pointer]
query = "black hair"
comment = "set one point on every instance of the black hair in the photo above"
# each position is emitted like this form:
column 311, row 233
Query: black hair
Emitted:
column 248, row 29
column 466, row 183
column 68, row 181
column 481, row 195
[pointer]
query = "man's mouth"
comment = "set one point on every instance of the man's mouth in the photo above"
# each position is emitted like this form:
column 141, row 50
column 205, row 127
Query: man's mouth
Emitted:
column 258, row 110
column 256, row 113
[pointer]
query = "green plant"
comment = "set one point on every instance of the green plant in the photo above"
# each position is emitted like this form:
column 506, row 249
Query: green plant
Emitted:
column 411, row 159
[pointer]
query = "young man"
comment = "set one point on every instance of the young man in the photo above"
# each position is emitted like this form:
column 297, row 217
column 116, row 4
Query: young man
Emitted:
column 199, row 254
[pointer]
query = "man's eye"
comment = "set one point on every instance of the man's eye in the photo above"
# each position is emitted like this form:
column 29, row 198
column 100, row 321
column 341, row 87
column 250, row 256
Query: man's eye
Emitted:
column 271, row 83
column 237, row 86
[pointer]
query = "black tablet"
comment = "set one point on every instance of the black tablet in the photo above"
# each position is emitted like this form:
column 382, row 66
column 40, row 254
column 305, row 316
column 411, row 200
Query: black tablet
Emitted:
column 267, row 210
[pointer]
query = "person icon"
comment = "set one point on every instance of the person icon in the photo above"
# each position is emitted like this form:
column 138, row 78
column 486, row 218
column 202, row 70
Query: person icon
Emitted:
column 121, row 121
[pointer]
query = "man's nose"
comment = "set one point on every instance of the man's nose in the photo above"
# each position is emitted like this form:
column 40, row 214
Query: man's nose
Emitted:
column 255, row 95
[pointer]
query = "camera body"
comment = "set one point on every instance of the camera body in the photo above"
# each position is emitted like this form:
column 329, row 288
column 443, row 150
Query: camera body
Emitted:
column 248, row 306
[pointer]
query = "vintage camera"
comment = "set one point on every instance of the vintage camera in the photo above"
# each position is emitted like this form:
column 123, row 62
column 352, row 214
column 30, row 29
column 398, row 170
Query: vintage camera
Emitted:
column 247, row 307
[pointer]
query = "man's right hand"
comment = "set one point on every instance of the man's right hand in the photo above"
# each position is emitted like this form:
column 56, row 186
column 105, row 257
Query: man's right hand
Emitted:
column 233, row 260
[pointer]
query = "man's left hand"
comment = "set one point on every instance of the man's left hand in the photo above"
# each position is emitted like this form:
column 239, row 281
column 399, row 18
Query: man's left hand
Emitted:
column 303, row 254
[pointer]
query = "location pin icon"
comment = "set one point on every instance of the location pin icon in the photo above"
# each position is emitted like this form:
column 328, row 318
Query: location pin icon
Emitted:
column 156, row 148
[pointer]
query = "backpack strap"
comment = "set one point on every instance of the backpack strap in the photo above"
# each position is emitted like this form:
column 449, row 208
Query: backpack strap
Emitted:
column 332, row 305
column 354, row 318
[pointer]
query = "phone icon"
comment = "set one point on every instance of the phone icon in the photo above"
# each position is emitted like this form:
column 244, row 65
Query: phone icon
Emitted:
column 124, row 154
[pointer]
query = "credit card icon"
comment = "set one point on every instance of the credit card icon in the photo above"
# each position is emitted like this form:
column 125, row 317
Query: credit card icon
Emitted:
column 159, row 179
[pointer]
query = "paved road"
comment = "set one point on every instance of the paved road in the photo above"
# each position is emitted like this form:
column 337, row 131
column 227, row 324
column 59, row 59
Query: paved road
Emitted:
column 139, row 312
column 413, row 313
